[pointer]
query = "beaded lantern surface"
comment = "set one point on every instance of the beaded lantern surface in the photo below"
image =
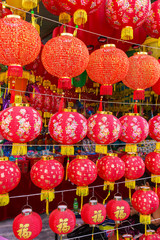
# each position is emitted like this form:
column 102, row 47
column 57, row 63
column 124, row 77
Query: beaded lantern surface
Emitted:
column 10, row 176
column 65, row 57
column 150, row 235
column 107, row 66
column 127, row 15
column 143, row 72
column 154, row 129
column 156, row 87
column 22, row 42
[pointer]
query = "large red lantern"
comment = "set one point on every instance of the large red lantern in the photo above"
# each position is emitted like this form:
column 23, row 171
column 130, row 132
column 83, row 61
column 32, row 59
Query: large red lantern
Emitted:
column 10, row 176
column 65, row 57
column 27, row 225
column 154, row 129
column 150, row 235
column 47, row 174
column 107, row 66
column 156, row 87
column 127, row 15
column 143, row 72
column 22, row 42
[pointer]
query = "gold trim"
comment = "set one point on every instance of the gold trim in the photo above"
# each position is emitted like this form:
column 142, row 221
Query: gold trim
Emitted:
column 108, row 45
column 67, row 34
column 132, row 114
column 144, row 188
column 82, row 157
column 13, row 16
column 69, row 110
column 3, row 158
column 141, row 53
column 105, row 112
column 45, row 158
column 112, row 154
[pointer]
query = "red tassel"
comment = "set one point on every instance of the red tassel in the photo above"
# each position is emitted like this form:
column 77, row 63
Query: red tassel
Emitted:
column 64, row 83
column 106, row 90
column 16, row 71
column 61, row 105
column 100, row 104
column 135, row 108
column 138, row 94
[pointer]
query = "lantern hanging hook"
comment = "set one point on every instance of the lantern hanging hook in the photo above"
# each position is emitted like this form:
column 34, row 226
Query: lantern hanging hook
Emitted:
column 93, row 192
column 62, row 196
column 27, row 201
column 117, row 187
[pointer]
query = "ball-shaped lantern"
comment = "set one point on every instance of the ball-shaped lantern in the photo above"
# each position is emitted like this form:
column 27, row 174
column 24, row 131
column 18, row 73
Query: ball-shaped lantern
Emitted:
column 93, row 213
column 154, row 129
column 158, row 231
column 127, row 15
column 152, row 162
column 143, row 72
column 65, row 57
column 107, row 66
column 10, row 176
column 27, row 225
column 47, row 174
column 22, row 42
column 156, row 87
column 62, row 220
column 150, row 235
column 110, row 168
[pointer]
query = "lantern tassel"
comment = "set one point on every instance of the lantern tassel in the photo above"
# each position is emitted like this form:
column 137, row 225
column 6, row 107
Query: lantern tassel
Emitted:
column 19, row 149
column 61, row 105
column 64, row 18
column 80, row 17
column 106, row 89
column 145, row 229
column 127, row 33
column 47, row 195
column 100, row 105
column 145, row 219
column 47, row 206
column 130, row 194
column 64, row 83
column 155, row 178
column 67, row 150
column 117, row 232
column 138, row 94
column 157, row 145
column 92, row 233
column 4, row 199
column 130, row 184
column 81, row 202
column 110, row 184
column 104, row 200
column 67, row 169
column 101, row 149
column 131, row 148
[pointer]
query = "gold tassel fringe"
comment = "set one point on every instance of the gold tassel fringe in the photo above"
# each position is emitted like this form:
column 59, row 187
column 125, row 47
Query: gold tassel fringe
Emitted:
column 64, row 17
column 47, row 195
column 145, row 219
column 19, row 149
column 67, row 169
column 127, row 33
column 80, row 17
column 67, row 150
column 104, row 200
column 132, row 148
column 101, row 149
column 29, row 4
column 155, row 178
column 82, row 191
column 108, row 184
column 130, row 184
column 4, row 199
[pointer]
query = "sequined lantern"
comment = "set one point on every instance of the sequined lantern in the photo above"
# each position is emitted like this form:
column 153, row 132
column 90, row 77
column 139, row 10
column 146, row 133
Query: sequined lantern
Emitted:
column 143, row 72
column 82, row 172
column 27, row 225
column 65, row 57
column 156, row 87
column 127, row 15
column 47, row 174
column 134, row 130
column 10, row 176
column 154, row 130
column 107, row 66
column 22, row 42
column 150, row 235
column 20, row 124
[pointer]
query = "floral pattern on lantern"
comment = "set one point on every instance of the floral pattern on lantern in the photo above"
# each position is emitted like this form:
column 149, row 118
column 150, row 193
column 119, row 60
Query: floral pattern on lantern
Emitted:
column 152, row 162
column 150, row 235
column 154, row 128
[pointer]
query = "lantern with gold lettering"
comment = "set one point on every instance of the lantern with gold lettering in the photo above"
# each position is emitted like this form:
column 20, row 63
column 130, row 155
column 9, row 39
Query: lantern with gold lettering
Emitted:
column 27, row 225
column 10, row 176
column 154, row 129
column 150, row 235
column 62, row 220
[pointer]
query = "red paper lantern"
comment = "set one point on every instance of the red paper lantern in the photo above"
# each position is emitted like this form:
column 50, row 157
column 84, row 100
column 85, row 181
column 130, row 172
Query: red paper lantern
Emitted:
column 127, row 16
column 10, row 176
column 65, row 57
column 107, row 66
column 22, row 42
column 62, row 220
column 152, row 162
column 110, row 169
column 143, row 72
column 156, row 87
column 154, row 128
column 27, row 225
column 47, row 174
column 150, row 235
column 93, row 213
column 158, row 231
column 157, row 191
column 117, row 209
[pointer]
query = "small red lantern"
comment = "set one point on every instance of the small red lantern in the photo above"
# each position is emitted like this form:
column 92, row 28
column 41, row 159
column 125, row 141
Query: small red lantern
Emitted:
column 65, row 57
column 158, row 231
column 47, row 174
column 93, row 213
column 10, row 176
column 127, row 237
column 154, row 129
column 143, row 72
column 107, row 66
column 62, row 220
column 27, row 225
column 156, row 87
column 150, row 235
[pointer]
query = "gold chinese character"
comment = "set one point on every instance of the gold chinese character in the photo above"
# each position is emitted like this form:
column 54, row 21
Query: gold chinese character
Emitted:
column 63, row 225
column 97, row 217
column 120, row 213
column 23, row 231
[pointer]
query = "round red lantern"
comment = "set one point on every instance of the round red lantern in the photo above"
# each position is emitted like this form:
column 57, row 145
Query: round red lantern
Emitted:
column 156, row 87
column 107, row 66
column 22, row 42
column 10, row 176
column 152, row 162
column 127, row 237
column 110, row 169
column 150, row 235
column 47, row 174
column 27, row 225
column 127, row 15
column 62, row 220
column 143, row 72
column 154, row 129
column 158, row 231
column 65, row 57
column 93, row 213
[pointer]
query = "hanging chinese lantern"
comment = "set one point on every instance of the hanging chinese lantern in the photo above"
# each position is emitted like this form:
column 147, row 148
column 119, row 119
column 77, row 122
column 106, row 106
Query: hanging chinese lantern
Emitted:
column 134, row 130
column 127, row 16
column 10, row 176
column 154, row 129
column 27, row 225
column 150, row 235
column 47, row 174
column 107, row 66
column 62, row 220
column 158, row 231
column 65, row 57
column 156, row 87
column 22, row 42
column 127, row 237
column 82, row 172
column 143, row 72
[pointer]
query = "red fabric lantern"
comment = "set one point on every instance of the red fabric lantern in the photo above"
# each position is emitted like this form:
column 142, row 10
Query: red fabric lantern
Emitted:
column 127, row 15
column 93, row 213
column 143, row 72
column 47, row 174
column 157, row 191
column 22, row 42
column 154, row 129
column 65, row 57
column 107, row 66
column 150, row 235
column 110, row 169
column 156, row 87
column 62, row 220
column 27, row 225
column 152, row 162
column 158, row 231
column 10, row 176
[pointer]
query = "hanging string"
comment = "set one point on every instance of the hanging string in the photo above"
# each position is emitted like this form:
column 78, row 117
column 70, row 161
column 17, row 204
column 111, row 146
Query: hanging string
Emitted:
column 93, row 192
column 62, row 196
column 117, row 187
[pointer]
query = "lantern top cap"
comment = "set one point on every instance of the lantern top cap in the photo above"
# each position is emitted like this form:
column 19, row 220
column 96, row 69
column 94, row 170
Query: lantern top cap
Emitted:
column 69, row 109
column 67, row 34
column 132, row 114
column 112, row 154
column 62, row 208
column 105, row 112
column 127, row 236
column 13, row 16
column 27, row 211
column 45, row 158
column 3, row 158
column 118, row 198
column 93, row 202
column 141, row 53
column 144, row 188
column 108, row 45
column 150, row 231
column 82, row 157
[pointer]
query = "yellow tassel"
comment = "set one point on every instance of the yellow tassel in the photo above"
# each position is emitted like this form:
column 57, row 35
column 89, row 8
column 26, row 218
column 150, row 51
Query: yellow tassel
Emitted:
column 47, row 195
column 155, row 178
column 108, row 184
column 80, row 17
column 92, row 233
column 67, row 150
column 81, row 202
column 33, row 92
column 117, row 233
column 67, row 169
column 4, row 199
column 127, row 33
column 64, row 18
column 47, row 206
column 131, row 184
column 19, row 149
column 29, row 4
column 101, row 149
column 38, row 8
column 145, row 229
column 82, row 191
column 132, row 148
column 104, row 200
column 157, row 145
column 130, row 194
column 145, row 219
column 158, row 42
